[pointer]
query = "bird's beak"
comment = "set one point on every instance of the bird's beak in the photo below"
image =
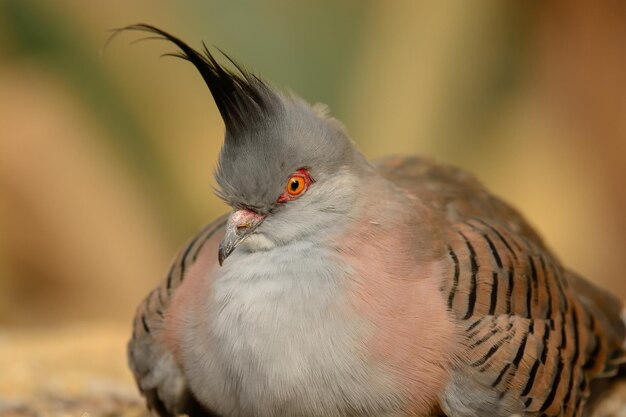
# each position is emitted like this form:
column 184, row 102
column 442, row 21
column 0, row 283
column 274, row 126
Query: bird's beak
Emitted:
column 240, row 224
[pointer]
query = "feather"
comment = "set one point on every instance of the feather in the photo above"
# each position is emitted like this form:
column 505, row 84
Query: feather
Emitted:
column 241, row 97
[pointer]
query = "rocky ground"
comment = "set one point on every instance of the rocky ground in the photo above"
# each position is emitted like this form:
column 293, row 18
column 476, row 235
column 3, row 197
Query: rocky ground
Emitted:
column 80, row 371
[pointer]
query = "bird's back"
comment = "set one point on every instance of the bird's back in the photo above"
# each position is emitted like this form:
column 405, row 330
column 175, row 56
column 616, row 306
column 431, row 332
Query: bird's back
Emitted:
column 454, row 192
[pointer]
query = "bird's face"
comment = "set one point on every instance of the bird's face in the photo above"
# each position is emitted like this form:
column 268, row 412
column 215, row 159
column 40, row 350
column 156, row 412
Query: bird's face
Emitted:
column 288, row 179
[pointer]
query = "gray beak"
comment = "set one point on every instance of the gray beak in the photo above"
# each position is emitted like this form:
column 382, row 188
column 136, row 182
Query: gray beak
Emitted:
column 240, row 225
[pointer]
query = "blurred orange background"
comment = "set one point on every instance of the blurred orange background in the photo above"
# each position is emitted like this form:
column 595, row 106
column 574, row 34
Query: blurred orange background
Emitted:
column 106, row 157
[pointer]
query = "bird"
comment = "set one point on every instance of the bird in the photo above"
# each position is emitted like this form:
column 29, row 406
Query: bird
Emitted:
column 342, row 287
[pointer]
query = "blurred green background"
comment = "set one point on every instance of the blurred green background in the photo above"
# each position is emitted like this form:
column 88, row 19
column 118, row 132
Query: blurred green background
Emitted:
column 106, row 157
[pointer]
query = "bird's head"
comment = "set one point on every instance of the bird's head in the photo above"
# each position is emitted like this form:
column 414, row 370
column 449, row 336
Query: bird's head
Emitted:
column 286, row 168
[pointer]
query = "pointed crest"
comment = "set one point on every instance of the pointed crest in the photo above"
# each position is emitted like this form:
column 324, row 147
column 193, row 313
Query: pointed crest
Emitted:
column 242, row 98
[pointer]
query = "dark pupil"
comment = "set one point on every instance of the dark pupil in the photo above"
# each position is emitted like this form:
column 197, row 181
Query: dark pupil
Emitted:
column 294, row 184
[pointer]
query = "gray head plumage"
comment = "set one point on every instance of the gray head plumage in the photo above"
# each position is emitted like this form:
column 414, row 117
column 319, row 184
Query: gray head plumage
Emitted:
column 269, row 135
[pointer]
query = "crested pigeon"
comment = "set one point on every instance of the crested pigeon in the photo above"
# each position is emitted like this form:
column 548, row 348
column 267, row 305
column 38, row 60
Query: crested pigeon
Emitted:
column 339, row 286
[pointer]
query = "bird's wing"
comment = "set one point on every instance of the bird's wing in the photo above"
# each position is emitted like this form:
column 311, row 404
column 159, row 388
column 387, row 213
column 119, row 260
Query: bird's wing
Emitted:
column 154, row 366
column 536, row 334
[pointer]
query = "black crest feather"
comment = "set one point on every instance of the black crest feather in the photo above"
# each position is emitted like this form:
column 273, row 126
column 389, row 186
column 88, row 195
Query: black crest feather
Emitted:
column 242, row 98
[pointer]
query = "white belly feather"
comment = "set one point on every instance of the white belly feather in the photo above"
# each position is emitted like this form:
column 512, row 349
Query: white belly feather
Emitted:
column 281, row 341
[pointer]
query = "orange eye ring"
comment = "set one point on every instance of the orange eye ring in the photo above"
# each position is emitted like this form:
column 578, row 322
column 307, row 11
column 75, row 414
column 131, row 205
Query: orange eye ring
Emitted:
column 295, row 185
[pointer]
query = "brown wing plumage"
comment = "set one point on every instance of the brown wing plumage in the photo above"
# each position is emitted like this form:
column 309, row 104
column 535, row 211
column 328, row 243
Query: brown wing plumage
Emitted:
column 154, row 367
column 536, row 334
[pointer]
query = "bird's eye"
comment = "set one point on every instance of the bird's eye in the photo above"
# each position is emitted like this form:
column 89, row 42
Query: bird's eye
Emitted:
column 295, row 186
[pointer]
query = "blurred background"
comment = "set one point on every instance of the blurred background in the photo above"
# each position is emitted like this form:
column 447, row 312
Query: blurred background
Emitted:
column 106, row 157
